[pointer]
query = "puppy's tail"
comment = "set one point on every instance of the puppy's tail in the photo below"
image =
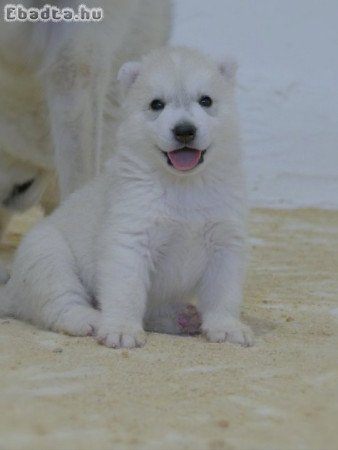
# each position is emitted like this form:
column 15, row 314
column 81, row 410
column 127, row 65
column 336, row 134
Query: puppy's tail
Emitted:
column 5, row 302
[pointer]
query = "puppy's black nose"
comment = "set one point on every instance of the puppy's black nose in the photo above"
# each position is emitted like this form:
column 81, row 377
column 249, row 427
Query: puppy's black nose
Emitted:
column 185, row 132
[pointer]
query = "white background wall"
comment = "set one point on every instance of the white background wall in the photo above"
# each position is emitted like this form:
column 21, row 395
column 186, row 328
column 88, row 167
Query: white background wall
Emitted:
column 288, row 90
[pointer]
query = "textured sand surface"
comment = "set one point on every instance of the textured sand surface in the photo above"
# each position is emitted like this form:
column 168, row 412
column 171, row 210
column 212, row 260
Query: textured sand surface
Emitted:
column 59, row 392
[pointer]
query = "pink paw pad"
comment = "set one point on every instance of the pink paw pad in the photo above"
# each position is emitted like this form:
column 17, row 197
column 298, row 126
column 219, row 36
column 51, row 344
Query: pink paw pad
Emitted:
column 91, row 331
column 189, row 320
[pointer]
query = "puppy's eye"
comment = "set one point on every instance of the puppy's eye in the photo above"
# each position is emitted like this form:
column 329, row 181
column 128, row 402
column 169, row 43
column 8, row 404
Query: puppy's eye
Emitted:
column 157, row 105
column 205, row 101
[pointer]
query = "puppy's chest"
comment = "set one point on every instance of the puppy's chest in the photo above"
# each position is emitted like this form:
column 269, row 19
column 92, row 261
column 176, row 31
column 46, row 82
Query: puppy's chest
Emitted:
column 180, row 250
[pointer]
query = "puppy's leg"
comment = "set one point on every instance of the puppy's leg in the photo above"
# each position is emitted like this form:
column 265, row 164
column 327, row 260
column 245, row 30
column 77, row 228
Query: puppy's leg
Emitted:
column 220, row 296
column 173, row 318
column 123, row 287
column 76, row 76
column 45, row 288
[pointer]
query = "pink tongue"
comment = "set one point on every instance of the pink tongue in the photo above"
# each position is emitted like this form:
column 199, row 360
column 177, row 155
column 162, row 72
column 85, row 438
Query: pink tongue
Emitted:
column 185, row 159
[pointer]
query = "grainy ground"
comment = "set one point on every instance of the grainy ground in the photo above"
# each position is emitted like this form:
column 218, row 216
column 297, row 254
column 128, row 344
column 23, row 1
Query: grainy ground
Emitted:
column 68, row 393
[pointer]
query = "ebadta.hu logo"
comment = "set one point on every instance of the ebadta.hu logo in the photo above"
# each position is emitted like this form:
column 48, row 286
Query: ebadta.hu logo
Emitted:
column 51, row 13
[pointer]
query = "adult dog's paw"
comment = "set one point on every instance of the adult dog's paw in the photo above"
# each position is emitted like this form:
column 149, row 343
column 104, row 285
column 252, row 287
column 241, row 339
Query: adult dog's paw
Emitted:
column 121, row 337
column 229, row 330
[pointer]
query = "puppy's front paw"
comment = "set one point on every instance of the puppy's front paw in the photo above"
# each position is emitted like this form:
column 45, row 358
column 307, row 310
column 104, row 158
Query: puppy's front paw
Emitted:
column 229, row 330
column 121, row 337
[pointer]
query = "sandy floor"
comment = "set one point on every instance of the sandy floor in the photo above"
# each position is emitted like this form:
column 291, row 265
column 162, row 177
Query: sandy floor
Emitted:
column 59, row 392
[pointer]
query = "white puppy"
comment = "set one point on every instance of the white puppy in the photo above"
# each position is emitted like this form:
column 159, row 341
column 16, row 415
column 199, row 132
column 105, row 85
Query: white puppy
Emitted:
column 165, row 221
column 58, row 96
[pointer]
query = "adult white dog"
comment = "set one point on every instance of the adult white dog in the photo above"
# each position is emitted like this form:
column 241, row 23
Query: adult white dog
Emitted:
column 165, row 221
column 57, row 92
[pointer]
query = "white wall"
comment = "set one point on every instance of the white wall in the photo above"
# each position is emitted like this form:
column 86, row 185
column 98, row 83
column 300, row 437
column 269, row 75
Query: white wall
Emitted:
column 288, row 90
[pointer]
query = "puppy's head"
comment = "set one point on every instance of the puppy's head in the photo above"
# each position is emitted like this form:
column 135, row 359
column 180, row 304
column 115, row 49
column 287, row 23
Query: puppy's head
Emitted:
column 179, row 109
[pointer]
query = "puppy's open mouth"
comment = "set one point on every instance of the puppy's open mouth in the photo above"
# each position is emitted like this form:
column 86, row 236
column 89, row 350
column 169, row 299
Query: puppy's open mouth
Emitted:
column 185, row 159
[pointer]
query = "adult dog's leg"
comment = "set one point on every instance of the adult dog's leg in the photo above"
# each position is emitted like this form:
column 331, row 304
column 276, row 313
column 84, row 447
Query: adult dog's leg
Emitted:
column 50, row 198
column 5, row 216
column 75, row 76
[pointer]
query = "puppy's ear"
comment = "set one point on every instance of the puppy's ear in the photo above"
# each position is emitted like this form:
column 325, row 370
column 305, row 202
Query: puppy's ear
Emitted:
column 228, row 68
column 128, row 74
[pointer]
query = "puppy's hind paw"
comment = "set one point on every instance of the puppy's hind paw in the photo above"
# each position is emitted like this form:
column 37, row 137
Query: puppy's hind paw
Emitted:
column 230, row 330
column 82, row 321
column 121, row 338
column 189, row 320
column 173, row 318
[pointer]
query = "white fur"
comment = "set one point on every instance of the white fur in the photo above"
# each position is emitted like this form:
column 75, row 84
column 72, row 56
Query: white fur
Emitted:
column 58, row 95
column 142, row 237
